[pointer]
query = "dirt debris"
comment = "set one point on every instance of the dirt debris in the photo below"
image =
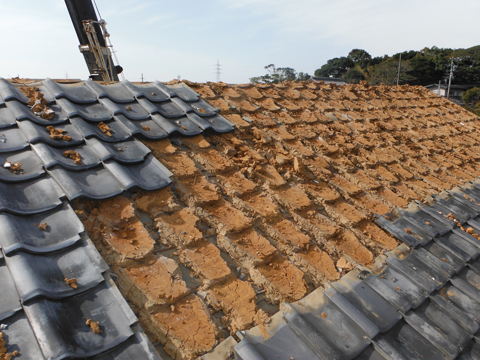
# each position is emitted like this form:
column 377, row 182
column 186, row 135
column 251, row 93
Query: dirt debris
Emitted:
column 58, row 134
column 14, row 167
column 76, row 157
column 105, row 129
column 72, row 283
column 43, row 226
column 94, row 325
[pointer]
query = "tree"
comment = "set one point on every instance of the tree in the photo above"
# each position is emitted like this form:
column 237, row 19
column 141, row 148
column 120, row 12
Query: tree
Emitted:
column 278, row 75
column 423, row 70
column 360, row 57
column 387, row 71
column 353, row 76
column 336, row 67
column 472, row 100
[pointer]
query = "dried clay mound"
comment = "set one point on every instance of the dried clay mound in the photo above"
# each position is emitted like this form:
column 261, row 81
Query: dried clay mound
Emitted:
column 280, row 206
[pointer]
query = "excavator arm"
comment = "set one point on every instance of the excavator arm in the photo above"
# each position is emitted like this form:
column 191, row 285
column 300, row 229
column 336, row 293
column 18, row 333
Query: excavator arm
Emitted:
column 92, row 36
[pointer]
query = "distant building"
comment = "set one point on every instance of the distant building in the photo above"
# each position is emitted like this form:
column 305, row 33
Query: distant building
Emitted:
column 328, row 80
column 455, row 90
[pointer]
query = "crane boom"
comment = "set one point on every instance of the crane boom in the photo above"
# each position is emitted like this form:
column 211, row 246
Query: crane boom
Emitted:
column 91, row 34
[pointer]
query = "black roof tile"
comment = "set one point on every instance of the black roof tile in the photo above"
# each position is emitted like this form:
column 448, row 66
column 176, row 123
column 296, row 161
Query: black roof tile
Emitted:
column 95, row 112
column 60, row 325
column 131, row 151
column 116, row 92
column 148, row 129
column 12, row 139
column 9, row 92
column 31, row 166
column 148, row 91
column 200, row 107
column 183, row 92
column 166, row 109
column 94, row 183
column 167, row 89
column 136, row 347
column 20, row 337
column 132, row 110
column 9, row 298
column 147, row 175
column 7, row 118
column 30, row 197
column 45, row 275
column 52, row 156
column 118, row 131
column 370, row 303
column 215, row 122
column 183, row 125
column 78, row 93
column 404, row 342
column 23, row 112
column 37, row 133
column 23, row 232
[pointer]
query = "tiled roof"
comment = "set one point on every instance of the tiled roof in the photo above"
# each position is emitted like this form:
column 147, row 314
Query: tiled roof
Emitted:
column 424, row 303
column 57, row 299
column 286, row 203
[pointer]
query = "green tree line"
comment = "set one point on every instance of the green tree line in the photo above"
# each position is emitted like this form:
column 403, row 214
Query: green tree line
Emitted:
column 424, row 67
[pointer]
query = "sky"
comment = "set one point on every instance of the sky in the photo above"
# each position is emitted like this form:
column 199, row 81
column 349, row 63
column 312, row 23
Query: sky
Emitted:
column 165, row 40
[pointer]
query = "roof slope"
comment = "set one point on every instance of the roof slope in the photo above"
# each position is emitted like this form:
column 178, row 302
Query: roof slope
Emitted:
column 62, row 143
column 284, row 204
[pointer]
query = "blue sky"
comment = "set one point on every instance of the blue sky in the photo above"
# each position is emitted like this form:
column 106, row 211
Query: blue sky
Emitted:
column 167, row 39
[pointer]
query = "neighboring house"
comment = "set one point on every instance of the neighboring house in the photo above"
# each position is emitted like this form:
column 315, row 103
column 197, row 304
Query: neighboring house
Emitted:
column 455, row 90
column 328, row 80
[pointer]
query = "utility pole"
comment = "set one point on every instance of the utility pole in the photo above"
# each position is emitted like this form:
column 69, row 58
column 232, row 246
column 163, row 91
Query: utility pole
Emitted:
column 142, row 77
column 217, row 68
column 399, row 64
column 450, row 79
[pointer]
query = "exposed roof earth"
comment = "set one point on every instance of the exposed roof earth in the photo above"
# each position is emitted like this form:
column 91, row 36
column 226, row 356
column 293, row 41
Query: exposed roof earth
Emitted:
column 263, row 216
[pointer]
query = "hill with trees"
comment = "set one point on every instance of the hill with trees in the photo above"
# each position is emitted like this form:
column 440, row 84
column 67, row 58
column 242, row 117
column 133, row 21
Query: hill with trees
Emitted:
column 424, row 67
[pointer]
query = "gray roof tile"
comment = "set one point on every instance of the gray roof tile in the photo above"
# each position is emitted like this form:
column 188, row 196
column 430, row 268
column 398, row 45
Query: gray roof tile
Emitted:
column 167, row 109
column 116, row 92
column 147, row 175
column 37, row 133
column 61, row 329
column 31, row 168
column 148, row 129
column 95, row 112
column 118, row 132
column 7, row 118
column 21, row 232
column 21, row 337
column 12, row 139
column 131, row 151
column 183, row 92
column 52, row 156
column 132, row 110
column 30, row 197
column 148, row 91
column 183, row 125
column 94, row 183
column 44, row 275
column 23, row 112
column 9, row 92
column 9, row 298
column 78, row 93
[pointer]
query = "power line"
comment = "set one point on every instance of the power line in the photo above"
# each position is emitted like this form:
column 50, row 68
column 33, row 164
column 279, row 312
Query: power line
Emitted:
column 217, row 67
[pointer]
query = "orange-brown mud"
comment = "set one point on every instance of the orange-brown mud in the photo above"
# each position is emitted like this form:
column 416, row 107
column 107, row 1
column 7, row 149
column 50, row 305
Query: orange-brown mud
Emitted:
column 277, row 207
